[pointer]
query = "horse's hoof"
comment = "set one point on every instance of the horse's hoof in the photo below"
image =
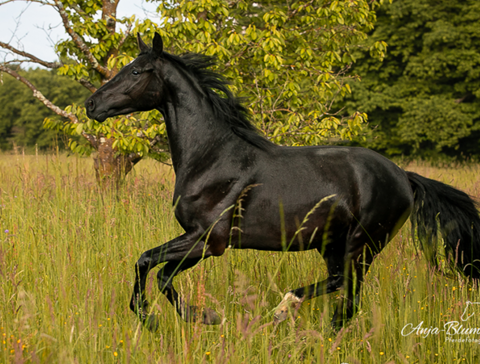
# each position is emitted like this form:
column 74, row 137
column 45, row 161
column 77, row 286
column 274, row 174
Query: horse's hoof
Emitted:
column 280, row 315
column 207, row 316
column 210, row 317
column 152, row 323
column 290, row 302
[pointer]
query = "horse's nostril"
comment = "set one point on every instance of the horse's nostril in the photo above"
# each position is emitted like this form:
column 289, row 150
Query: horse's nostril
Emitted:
column 91, row 105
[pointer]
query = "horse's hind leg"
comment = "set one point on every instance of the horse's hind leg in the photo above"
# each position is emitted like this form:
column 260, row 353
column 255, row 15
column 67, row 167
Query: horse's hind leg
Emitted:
column 348, row 305
column 357, row 262
column 294, row 298
column 165, row 284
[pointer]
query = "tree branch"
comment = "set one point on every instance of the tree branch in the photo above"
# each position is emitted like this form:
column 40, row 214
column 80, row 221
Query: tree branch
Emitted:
column 85, row 83
column 27, row 1
column 39, row 95
column 31, row 57
column 125, row 36
column 91, row 138
column 105, row 72
column 134, row 158
column 109, row 15
column 78, row 10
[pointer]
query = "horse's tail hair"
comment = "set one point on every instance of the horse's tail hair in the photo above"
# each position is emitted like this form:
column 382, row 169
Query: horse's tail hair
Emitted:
column 439, row 208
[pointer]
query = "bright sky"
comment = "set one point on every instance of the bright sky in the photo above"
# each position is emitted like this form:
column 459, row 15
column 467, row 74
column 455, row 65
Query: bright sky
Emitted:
column 40, row 27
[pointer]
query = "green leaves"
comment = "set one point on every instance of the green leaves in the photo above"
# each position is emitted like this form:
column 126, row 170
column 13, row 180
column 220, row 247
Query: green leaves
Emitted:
column 130, row 133
column 288, row 60
column 143, row 134
column 423, row 99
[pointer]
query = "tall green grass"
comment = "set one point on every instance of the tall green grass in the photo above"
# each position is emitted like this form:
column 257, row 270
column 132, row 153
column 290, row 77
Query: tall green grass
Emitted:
column 67, row 255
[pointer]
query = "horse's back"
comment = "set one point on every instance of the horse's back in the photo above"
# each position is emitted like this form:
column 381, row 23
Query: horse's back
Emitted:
column 364, row 188
column 340, row 170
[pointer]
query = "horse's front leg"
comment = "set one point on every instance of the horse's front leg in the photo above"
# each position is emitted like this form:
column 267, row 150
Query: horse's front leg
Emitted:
column 188, row 313
column 187, row 248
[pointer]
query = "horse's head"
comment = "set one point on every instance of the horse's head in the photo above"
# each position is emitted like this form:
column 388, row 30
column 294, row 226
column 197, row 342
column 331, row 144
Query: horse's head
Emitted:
column 137, row 87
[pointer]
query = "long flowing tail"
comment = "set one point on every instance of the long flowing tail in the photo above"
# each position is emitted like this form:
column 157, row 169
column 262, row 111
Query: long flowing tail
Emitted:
column 441, row 208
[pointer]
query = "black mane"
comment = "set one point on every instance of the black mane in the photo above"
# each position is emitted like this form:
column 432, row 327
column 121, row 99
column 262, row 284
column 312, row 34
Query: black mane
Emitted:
column 228, row 108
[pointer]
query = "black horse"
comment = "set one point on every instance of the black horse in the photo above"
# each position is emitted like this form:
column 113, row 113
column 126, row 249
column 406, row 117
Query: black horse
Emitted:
column 356, row 200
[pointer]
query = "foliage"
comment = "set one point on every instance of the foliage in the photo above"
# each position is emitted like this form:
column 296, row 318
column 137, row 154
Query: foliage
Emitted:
column 141, row 134
column 21, row 115
column 289, row 60
column 132, row 133
column 67, row 257
column 423, row 98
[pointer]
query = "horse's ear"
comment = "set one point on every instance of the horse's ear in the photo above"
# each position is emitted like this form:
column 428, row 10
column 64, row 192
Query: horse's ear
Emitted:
column 141, row 44
column 157, row 45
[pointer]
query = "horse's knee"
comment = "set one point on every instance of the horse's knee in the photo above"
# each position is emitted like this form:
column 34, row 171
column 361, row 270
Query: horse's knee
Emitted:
column 214, row 246
column 144, row 262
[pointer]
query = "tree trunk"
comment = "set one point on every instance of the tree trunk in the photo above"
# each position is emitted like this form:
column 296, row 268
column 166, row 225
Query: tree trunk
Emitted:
column 110, row 166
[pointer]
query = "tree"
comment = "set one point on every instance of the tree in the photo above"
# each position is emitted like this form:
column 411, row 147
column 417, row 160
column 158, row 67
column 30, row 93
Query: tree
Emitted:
column 21, row 115
column 423, row 99
column 288, row 59
column 91, row 56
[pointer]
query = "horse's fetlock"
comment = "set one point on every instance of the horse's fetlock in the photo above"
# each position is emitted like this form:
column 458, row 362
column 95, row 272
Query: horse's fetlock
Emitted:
column 290, row 303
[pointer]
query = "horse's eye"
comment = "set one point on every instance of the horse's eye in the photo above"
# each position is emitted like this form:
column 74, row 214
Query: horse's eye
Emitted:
column 135, row 72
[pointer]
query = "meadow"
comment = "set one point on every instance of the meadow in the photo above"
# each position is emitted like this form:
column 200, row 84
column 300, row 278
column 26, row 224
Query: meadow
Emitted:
column 67, row 255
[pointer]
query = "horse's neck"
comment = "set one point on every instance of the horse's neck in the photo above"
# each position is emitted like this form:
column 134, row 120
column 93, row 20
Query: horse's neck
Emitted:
column 193, row 130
